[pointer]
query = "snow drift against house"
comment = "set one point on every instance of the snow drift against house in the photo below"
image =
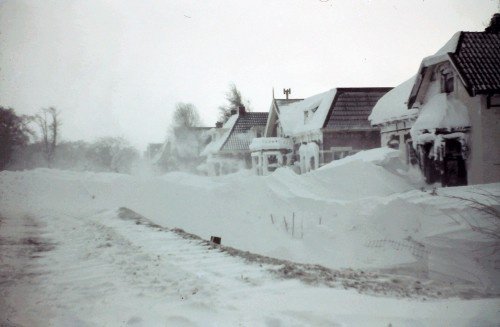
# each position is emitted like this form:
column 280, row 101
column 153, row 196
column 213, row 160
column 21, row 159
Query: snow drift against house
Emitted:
column 354, row 212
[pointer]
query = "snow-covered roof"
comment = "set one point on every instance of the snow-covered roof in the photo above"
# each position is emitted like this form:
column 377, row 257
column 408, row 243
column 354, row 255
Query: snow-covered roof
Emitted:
column 393, row 105
column 475, row 56
column 217, row 143
column 450, row 46
column 441, row 112
column 350, row 111
column 292, row 117
column 240, row 136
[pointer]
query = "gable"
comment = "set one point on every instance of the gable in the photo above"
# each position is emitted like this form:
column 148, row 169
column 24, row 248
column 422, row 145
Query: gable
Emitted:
column 276, row 104
column 476, row 58
column 305, row 115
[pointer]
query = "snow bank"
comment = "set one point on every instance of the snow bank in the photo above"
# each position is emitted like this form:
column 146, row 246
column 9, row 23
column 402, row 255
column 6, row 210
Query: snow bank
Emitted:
column 378, row 156
column 353, row 213
column 393, row 105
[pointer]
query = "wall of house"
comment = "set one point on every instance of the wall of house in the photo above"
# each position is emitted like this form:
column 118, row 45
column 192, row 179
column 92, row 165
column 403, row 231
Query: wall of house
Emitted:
column 483, row 164
column 357, row 140
column 399, row 130
column 401, row 135
column 491, row 143
column 474, row 161
column 360, row 140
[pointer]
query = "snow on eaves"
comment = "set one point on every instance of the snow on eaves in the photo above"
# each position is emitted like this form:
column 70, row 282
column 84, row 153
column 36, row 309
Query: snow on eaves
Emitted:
column 442, row 111
column 216, row 145
column 293, row 116
column 393, row 105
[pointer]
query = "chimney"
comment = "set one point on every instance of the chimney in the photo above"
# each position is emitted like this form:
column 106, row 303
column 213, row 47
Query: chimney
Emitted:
column 218, row 124
column 241, row 110
column 494, row 24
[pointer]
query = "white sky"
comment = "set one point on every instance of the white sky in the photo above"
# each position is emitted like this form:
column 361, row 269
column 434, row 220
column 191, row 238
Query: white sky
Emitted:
column 118, row 67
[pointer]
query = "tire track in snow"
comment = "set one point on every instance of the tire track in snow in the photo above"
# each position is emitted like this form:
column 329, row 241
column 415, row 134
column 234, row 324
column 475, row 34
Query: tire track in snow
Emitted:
column 374, row 283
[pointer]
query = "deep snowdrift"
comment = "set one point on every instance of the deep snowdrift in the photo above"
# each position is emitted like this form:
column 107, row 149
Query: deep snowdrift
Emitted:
column 362, row 212
column 359, row 212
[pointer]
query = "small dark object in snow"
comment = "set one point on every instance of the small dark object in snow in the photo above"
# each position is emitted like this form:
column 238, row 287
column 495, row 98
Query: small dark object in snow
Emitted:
column 215, row 239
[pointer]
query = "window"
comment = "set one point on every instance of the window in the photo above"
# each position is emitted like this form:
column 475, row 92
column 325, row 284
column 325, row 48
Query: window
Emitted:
column 341, row 152
column 306, row 116
column 272, row 159
column 447, row 80
column 493, row 101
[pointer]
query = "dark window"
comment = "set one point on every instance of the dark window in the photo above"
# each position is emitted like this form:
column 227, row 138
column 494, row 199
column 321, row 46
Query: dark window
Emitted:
column 272, row 159
column 447, row 82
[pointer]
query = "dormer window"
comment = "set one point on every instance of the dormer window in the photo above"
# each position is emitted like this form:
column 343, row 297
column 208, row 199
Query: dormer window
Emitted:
column 447, row 81
column 314, row 109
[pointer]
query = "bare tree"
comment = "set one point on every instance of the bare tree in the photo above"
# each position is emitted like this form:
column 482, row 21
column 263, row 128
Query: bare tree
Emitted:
column 186, row 115
column 235, row 100
column 49, row 123
column 487, row 204
column 112, row 154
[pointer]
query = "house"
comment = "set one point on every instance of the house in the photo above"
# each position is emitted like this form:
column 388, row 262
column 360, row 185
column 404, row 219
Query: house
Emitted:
column 392, row 116
column 229, row 147
column 181, row 151
column 453, row 117
column 311, row 132
column 152, row 150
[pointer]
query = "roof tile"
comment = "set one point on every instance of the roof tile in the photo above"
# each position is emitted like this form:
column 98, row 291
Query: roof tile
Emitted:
column 241, row 137
column 478, row 60
column 353, row 106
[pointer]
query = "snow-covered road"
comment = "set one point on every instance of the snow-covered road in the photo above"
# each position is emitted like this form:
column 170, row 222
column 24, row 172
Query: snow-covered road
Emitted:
column 64, row 270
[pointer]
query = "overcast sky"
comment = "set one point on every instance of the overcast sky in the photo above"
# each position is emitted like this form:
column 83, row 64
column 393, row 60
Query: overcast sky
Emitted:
column 118, row 67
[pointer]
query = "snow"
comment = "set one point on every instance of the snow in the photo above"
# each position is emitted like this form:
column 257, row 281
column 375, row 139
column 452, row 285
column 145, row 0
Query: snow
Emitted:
column 442, row 54
column 441, row 111
column 270, row 143
column 65, row 241
column 450, row 46
column 222, row 135
column 292, row 116
column 393, row 105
